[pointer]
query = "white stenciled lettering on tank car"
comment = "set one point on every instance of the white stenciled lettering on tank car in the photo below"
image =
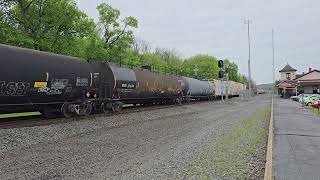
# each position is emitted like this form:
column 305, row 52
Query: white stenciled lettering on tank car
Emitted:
column 49, row 91
column 131, row 86
column 59, row 83
column 82, row 82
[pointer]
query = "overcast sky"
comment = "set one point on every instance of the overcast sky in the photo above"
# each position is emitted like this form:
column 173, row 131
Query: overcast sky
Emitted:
column 216, row 27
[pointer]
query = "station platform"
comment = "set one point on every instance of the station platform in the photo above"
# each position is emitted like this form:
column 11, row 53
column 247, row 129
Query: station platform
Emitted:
column 296, row 147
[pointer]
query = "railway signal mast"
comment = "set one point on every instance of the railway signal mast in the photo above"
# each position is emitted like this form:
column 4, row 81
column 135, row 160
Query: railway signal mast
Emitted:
column 224, row 77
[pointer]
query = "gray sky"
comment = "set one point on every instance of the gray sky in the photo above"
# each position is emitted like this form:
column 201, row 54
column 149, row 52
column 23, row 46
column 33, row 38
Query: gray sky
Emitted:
column 216, row 27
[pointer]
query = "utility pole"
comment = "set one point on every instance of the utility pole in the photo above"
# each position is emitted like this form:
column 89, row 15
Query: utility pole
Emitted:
column 273, row 69
column 248, row 22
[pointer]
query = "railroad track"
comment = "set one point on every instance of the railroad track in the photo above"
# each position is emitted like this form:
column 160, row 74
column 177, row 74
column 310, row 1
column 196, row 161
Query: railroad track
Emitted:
column 40, row 121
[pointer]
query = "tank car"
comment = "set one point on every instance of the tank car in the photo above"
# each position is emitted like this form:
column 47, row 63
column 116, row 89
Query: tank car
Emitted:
column 34, row 80
column 197, row 89
column 111, row 84
column 158, row 86
column 115, row 85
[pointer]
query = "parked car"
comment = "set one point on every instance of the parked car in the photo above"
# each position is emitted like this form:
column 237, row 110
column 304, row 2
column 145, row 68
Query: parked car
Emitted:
column 310, row 100
column 296, row 98
column 303, row 98
column 316, row 104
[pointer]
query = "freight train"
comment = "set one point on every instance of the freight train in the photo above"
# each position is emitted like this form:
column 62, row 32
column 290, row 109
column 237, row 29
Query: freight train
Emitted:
column 53, row 84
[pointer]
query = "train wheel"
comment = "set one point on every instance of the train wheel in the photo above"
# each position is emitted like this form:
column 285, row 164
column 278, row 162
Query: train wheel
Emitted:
column 48, row 112
column 65, row 110
column 178, row 101
column 117, row 106
column 88, row 108
column 105, row 107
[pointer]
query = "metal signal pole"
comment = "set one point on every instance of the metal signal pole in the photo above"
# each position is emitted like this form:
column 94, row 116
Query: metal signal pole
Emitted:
column 227, row 80
column 248, row 22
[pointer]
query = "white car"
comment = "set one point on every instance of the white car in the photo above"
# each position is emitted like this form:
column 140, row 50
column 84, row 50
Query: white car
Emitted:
column 296, row 98
column 301, row 98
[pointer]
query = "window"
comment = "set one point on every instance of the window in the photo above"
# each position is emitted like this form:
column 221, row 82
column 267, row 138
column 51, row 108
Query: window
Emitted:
column 288, row 76
column 315, row 89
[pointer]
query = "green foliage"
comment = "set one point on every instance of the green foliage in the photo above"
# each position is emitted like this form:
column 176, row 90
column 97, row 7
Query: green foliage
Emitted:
column 50, row 26
column 201, row 66
column 233, row 71
column 115, row 33
column 156, row 61
column 60, row 27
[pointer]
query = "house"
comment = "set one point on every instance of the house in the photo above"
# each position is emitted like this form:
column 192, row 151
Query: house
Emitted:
column 309, row 83
column 287, row 86
column 287, row 73
column 291, row 84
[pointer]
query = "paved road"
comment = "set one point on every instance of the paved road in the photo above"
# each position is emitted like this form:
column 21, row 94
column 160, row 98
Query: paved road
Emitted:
column 158, row 144
column 297, row 142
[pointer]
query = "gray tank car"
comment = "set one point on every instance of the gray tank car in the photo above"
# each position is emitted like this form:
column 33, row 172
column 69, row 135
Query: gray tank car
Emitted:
column 197, row 89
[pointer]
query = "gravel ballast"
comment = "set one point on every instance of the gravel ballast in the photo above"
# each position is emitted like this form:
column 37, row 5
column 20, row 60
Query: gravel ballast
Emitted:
column 160, row 143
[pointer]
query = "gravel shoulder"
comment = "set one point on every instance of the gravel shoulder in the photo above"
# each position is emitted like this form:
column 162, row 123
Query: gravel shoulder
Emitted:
column 240, row 153
column 156, row 144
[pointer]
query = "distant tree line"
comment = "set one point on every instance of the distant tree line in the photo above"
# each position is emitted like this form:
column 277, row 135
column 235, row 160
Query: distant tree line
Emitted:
column 61, row 27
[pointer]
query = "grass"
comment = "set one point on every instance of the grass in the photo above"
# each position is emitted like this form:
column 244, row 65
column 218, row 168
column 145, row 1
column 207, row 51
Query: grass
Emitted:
column 230, row 156
column 314, row 110
column 24, row 114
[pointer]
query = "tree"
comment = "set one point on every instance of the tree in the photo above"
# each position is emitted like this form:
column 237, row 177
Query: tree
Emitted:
column 116, row 33
column 171, row 58
column 201, row 66
column 156, row 62
column 232, row 71
column 60, row 27
column 53, row 26
column 94, row 48
column 141, row 46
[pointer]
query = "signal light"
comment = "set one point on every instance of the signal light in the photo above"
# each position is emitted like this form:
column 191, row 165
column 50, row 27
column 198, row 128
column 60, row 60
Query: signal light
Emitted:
column 221, row 74
column 220, row 64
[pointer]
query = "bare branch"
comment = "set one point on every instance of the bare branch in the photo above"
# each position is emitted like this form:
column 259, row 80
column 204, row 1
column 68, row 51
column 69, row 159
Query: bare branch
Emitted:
column 118, row 37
